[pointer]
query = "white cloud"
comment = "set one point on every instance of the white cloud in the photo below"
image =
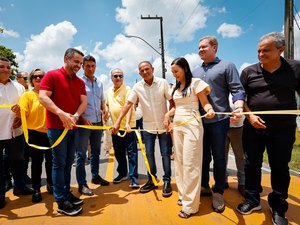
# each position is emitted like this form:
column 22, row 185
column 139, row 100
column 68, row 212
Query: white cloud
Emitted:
column 46, row 50
column 243, row 66
column 222, row 10
column 229, row 30
column 126, row 53
column 9, row 33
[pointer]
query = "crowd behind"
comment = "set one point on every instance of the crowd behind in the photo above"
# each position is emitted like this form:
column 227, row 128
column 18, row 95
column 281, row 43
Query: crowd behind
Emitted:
column 191, row 115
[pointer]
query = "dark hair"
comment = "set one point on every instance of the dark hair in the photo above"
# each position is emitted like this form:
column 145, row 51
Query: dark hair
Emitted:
column 71, row 51
column 88, row 58
column 183, row 63
column 145, row 61
column 2, row 58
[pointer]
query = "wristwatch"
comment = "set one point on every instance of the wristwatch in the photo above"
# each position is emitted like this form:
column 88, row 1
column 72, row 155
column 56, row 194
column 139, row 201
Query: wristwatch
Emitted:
column 76, row 116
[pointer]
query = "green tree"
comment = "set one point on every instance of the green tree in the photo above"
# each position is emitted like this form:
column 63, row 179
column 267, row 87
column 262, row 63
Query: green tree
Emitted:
column 9, row 54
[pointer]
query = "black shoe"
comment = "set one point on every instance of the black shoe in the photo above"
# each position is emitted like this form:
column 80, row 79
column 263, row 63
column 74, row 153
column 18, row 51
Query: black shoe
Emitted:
column 2, row 202
column 119, row 179
column 149, row 186
column 247, row 207
column 167, row 190
column 85, row 190
column 99, row 180
column 67, row 208
column 36, row 196
column 50, row 188
column 278, row 218
column 8, row 185
column 28, row 180
column 74, row 200
column 24, row 191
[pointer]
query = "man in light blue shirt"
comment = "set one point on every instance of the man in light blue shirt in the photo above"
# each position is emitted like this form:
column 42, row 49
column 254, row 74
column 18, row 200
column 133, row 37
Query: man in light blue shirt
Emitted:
column 92, row 116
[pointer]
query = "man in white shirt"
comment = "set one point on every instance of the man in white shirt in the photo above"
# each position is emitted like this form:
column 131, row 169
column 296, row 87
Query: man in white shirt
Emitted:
column 11, row 133
column 152, row 94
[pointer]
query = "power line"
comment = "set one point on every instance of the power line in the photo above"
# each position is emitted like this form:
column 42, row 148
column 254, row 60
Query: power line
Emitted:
column 296, row 12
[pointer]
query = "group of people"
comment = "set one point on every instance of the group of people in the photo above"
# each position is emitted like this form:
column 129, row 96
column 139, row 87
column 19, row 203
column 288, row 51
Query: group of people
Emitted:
column 201, row 131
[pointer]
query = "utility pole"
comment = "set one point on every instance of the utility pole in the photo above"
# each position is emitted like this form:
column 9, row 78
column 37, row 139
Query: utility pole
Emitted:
column 163, row 66
column 289, row 29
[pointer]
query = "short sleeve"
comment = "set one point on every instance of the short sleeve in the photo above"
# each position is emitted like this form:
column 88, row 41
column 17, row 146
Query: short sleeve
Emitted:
column 199, row 85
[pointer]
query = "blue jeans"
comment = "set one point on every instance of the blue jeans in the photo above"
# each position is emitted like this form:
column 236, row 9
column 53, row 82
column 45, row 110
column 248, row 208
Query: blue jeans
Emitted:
column 63, row 157
column 86, row 135
column 14, row 149
column 121, row 146
column 214, row 144
column 163, row 138
column 279, row 146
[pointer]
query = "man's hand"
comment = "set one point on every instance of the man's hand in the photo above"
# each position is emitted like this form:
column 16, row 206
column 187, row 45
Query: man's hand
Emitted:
column 84, row 121
column 210, row 113
column 115, row 128
column 256, row 121
column 16, row 109
column 67, row 119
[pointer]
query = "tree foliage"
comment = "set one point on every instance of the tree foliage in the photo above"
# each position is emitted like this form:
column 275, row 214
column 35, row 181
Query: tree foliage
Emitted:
column 9, row 54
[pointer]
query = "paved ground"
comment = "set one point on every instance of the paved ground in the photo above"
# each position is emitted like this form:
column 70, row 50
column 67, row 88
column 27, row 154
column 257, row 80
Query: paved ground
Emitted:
column 119, row 204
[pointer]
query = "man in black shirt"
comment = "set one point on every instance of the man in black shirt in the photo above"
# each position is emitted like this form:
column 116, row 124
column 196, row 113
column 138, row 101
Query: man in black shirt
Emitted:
column 269, row 85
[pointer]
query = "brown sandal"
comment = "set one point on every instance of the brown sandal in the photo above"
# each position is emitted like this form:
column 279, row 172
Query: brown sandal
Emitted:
column 183, row 214
column 179, row 202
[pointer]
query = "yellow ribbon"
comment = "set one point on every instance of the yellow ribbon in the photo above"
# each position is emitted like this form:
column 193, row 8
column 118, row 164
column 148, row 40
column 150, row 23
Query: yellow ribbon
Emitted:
column 138, row 135
column 25, row 131
column 6, row 106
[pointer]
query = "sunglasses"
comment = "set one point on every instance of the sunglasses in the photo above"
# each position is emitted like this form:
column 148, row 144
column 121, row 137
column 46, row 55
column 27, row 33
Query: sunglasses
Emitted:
column 24, row 78
column 116, row 76
column 37, row 76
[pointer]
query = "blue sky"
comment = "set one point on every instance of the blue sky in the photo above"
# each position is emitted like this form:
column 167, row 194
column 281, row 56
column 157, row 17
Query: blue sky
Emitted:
column 39, row 31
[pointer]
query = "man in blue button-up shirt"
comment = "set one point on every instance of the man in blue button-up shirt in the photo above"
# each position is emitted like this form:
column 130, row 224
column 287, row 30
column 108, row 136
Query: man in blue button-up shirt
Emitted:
column 92, row 116
column 223, row 78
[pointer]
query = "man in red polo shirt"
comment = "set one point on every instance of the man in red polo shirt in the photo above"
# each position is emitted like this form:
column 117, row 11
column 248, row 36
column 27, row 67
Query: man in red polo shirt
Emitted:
column 63, row 94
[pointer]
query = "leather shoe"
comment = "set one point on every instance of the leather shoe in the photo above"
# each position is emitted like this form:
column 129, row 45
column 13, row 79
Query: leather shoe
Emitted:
column 2, row 202
column 37, row 196
column 85, row 190
column 99, row 180
column 149, row 186
column 24, row 191
column 167, row 190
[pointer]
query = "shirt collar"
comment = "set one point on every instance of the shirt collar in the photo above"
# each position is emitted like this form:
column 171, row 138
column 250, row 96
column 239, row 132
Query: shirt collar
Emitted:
column 154, row 81
column 216, row 61
column 65, row 73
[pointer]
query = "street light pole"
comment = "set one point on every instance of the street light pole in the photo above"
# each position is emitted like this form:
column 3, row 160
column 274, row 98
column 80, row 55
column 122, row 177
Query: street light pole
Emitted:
column 133, row 36
column 163, row 66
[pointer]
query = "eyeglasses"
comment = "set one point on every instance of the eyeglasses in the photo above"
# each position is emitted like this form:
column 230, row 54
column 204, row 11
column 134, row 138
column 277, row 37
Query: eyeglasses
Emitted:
column 116, row 76
column 24, row 78
column 37, row 76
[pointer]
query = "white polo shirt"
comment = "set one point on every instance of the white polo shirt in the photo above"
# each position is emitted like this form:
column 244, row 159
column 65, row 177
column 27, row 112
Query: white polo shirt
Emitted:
column 153, row 101
column 9, row 94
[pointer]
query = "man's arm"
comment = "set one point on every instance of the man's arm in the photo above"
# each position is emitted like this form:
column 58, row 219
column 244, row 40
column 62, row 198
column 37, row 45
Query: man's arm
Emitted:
column 125, row 109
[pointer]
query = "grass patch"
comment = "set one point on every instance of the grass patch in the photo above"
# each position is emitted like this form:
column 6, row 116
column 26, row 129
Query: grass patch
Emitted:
column 295, row 161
